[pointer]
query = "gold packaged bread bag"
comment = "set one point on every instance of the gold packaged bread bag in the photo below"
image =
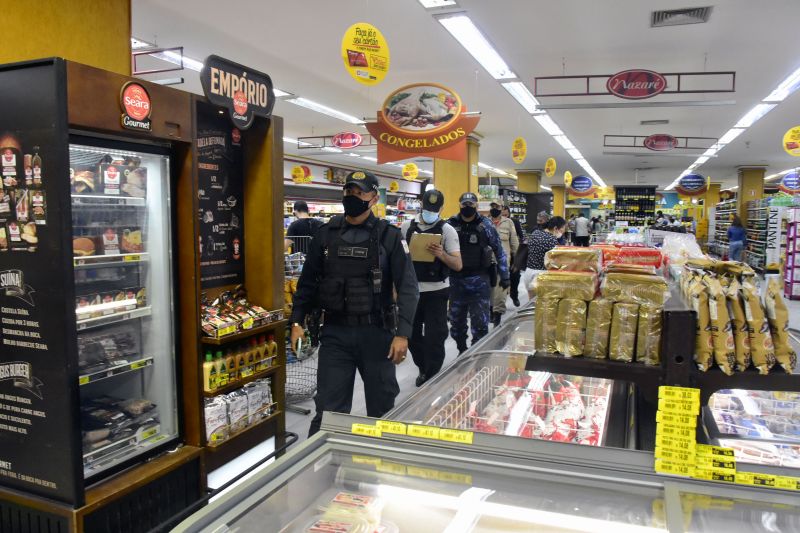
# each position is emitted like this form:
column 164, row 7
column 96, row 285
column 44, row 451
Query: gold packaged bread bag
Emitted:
column 703, row 344
column 571, row 329
column 560, row 285
column 575, row 259
column 598, row 327
column 778, row 316
column 635, row 288
column 761, row 347
column 622, row 340
column 648, row 336
column 623, row 268
column 702, row 264
column 739, row 327
column 545, row 322
column 721, row 334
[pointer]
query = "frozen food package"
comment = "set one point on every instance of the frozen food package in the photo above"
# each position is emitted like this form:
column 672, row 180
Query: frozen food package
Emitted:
column 545, row 322
column 635, row 288
column 638, row 255
column 598, row 327
column 761, row 347
column 237, row 410
column 648, row 336
column 571, row 327
column 575, row 259
column 720, row 322
column 703, row 343
column 621, row 268
column 558, row 285
column 216, row 415
column 350, row 504
column 741, row 331
column 778, row 316
column 622, row 341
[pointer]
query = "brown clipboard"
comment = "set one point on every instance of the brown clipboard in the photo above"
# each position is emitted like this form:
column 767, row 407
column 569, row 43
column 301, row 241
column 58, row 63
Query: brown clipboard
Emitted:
column 418, row 246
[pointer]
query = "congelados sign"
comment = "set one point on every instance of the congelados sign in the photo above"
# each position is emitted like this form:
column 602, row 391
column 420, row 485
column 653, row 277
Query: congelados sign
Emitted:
column 423, row 118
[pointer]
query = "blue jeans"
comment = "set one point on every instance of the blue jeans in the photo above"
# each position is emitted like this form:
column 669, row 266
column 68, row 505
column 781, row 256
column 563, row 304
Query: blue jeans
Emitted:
column 735, row 250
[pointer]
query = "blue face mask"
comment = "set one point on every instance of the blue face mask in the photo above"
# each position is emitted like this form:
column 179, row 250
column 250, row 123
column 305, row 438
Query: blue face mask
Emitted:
column 429, row 217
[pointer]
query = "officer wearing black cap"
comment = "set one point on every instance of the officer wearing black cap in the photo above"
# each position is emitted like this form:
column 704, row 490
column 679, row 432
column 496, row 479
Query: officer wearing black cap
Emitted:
column 354, row 265
column 471, row 288
column 430, row 321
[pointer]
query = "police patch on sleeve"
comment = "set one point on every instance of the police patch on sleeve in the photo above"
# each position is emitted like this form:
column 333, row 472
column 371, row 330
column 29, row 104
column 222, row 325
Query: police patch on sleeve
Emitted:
column 405, row 245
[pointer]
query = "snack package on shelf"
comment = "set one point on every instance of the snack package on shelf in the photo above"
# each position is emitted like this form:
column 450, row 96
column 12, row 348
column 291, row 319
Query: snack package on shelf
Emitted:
column 598, row 327
column 739, row 327
column 622, row 341
column 721, row 334
column 571, row 327
column 574, row 259
column 621, row 268
column 703, row 343
column 648, row 336
column 216, row 418
column 237, row 410
column 635, row 288
column 545, row 324
column 778, row 316
column 761, row 346
column 231, row 312
column 573, row 285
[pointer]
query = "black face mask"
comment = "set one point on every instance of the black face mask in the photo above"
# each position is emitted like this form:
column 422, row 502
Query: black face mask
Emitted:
column 468, row 211
column 354, row 206
column 494, row 212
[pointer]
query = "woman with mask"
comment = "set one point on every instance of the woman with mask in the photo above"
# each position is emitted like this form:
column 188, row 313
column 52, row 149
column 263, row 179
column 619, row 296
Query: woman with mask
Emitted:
column 539, row 243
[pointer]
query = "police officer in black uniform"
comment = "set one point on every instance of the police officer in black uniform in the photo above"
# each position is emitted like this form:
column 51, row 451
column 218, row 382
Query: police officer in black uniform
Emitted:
column 353, row 266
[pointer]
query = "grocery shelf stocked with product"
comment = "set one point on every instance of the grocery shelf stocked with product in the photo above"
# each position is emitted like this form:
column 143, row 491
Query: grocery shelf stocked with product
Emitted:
column 517, row 203
column 718, row 238
column 791, row 275
column 635, row 205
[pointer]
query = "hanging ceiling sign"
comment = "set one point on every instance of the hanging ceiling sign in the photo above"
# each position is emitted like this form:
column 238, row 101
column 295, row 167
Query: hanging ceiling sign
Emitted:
column 394, row 186
column 245, row 92
column 423, row 118
column 136, row 107
column 790, row 183
column 301, row 174
column 660, row 142
column 346, row 140
column 410, row 171
column 582, row 186
column 519, row 150
column 636, row 84
column 365, row 53
column 550, row 167
column 791, row 141
column 567, row 178
column 692, row 185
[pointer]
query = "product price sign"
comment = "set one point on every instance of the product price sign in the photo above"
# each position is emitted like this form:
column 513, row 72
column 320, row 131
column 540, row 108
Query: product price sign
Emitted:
column 791, row 141
column 519, row 150
column 550, row 167
column 365, row 53
column 410, row 171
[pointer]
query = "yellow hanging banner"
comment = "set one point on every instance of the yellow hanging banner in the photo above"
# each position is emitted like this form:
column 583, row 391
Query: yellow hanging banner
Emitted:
column 791, row 141
column 550, row 167
column 567, row 178
column 410, row 171
column 519, row 150
column 301, row 174
column 365, row 53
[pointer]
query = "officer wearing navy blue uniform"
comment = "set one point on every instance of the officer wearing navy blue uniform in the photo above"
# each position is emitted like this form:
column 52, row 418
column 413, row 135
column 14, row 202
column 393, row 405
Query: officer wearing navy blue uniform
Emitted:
column 471, row 288
column 354, row 266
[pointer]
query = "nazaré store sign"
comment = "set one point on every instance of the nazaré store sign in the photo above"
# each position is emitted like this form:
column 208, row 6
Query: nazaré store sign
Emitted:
column 691, row 185
column 581, row 186
column 790, row 183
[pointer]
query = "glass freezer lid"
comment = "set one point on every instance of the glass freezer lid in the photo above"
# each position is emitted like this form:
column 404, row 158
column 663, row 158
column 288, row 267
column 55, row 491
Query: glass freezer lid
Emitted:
column 514, row 335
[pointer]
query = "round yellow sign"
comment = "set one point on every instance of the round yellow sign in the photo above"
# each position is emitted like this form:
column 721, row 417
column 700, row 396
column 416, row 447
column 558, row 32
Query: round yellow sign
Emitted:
column 410, row 171
column 550, row 167
column 791, row 141
column 567, row 178
column 365, row 53
column 301, row 174
column 519, row 149
column 394, row 186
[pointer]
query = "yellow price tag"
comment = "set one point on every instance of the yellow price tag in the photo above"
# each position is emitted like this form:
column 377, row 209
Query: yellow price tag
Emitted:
column 456, row 435
column 149, row 433
column 673, row 443
column 787, row 483
column 452, row 477
column 764, row 480
column 678, row 469
column 138, row 364
column 675, row 431
column 744, row 478
column 679, row 393
column 391, row 468
column 423, row 432
column 681, row 407
column 366, row 460
column 132, row 258
column 675, row 456
column 83, row 380
column 388, row 426
column 676, row 419
column 709, row 450
column 366, row 430
column 422, row 473
column 711, row 474
column 704, row 461
column 247, row 324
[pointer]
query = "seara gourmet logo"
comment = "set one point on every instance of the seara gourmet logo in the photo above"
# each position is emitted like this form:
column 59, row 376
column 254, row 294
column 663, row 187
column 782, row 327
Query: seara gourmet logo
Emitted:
column 136, row 107
column 636, row 84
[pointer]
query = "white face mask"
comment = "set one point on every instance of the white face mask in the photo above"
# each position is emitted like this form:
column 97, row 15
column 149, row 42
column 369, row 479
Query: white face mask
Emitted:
column 429, row 217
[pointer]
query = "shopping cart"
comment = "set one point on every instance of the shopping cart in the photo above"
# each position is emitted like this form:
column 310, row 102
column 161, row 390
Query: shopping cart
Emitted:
column 599, row 236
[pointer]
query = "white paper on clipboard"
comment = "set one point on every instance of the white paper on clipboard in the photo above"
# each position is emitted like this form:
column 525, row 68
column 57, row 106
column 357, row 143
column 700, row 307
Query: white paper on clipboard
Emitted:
column 418, row 246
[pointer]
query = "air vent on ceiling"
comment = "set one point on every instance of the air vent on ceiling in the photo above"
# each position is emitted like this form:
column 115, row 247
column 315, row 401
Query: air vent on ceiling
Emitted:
column 654, row 122
column 679, row 17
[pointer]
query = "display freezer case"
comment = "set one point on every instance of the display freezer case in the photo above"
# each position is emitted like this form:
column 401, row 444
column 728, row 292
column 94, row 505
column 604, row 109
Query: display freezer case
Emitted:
column 338, row 481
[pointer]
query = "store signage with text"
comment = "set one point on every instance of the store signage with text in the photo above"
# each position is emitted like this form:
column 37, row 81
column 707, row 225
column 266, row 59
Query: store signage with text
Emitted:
column 136, row 107
column 245, row 92
column 581, row 186
column 692, row 185
column 423, row 118
column 790, row 183
column 365, row 53
column 519, row 150
column 660, row 142
column 550, row 167
column 410, row 171
column 636, row 84
column 791, row 141
column 347, row 139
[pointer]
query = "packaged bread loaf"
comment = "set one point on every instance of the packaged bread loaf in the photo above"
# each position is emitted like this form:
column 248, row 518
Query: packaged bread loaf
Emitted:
column 648, row 335
column 638, row 255
column 622, row 340
column 635, row 288
column 778, row 316
column 559, row 285
column 598, row 327
column 761, row 347
column 609, row 252
column 575, row 259
column 739, row 327
column 703, row 344
column 571, row 329
column 620, row 268
column 545, row 321
column 720, row 322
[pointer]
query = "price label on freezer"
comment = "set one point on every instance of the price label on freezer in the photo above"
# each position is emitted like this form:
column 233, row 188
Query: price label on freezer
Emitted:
column 678, row 469
column 679, row 393
column 139, row 364
column 391, row 468
column 456, row 435
column 711, row 474
column 709, row 450
column 720, row 463
column 388, row 426
column 366, row 430
column 787, row 483
column 679, row 406
column 675, row 456
column 132, row 258
column 673, row 443
column 674, row 431
column 83, row 380
column 366, row 460
column 675, row 419
column 423, row 432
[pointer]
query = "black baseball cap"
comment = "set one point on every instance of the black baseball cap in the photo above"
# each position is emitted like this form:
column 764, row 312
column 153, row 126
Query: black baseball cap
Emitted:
column 432, row 200
column 366, row 181
column 468, row 197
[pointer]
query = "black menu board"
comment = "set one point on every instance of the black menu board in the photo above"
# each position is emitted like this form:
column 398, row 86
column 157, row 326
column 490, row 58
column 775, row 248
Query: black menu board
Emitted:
column 220, row 192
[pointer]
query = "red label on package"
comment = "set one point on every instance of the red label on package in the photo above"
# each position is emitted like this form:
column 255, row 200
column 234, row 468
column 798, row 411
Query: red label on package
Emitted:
column 111, row 180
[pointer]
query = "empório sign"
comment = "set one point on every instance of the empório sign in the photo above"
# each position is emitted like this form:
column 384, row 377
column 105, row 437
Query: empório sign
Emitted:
column 245, row 92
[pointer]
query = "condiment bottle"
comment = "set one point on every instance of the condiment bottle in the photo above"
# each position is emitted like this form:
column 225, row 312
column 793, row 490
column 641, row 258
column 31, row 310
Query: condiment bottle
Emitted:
column 230, row 362
column 273, row 350
column 209, row 373
column 222, row 369
column 241, row 362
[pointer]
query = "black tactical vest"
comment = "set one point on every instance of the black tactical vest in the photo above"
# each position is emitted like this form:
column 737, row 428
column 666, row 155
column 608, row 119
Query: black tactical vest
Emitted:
column 435, row 271
column 476, row 254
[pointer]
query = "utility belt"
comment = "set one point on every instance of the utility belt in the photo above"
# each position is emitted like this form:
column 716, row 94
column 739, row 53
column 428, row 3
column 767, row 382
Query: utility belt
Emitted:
column 387, row 319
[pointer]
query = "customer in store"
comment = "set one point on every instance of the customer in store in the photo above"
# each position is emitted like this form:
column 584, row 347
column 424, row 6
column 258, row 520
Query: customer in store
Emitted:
column 570, row 229
column 510, row 242
column 737, row 238
column 299, row 233
column 430, row 320
column 355, row 265
column 539, row 243
column 541, row 219
column 471, row 288
column 582, row 230
column 516, row 274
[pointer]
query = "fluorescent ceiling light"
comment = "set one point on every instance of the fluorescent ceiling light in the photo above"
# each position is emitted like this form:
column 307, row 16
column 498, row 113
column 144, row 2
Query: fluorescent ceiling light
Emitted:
column 175, row 58
column 711, row 151
column 521, row 94
column 575, row 153
column 331, row 149
column 296, row 142
column 730, row 135
column 483, row 165
column 325, row 110
column 700, row 160
column 461, row 27
column 565, row 143
column 548, row 124
column 753, row 115
column 786, row 87
column 429, row 4
column 351, row 154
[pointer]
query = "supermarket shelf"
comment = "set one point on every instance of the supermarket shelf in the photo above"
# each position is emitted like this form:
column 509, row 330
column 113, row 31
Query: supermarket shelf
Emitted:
column 239, row 383
column 94, row 377
column 96, row 460
column 97, row 261
column 90, row 323
column 250, row 429
column 100, row 200
column 244, row 334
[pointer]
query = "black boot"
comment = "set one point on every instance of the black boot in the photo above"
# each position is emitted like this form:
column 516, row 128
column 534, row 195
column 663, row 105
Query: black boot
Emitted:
column 462, row 346
column 496, row 319
column 421, row 378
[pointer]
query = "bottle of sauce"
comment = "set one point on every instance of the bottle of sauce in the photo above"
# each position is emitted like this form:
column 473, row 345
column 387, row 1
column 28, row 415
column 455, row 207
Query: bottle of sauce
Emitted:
column 222, row 369
column 252, row 356
column 262, row 349
column 241, row 361
column 272, row 350
column 209, row 373
column 230, row 362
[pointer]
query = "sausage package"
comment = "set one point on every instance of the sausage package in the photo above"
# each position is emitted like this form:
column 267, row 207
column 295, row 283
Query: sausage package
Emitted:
column 559, row 285
column 635, row 288
column 598, row 327
column 761, row 347
column 741, row 332
column 778, row 316
column 571, row 329
column 648, row 336
column 622, row 341
column 545, row 323
column 703, row 343
column 720, row 322
column 575, row 259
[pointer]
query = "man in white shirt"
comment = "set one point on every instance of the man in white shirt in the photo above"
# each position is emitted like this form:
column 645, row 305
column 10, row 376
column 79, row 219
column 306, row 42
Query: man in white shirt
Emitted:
column 582, row 230
column 426, row 343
